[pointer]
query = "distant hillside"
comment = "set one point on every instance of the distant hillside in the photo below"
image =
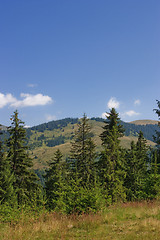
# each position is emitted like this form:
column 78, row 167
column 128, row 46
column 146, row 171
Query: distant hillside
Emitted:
column 144, row 122
column 44, row 139
column 132, row 129
column 59, row 132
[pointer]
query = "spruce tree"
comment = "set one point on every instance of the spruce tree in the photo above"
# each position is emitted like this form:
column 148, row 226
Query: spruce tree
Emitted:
column 84, row 194
column 55, row 183
column 111, row 162
column 153, row 180
column 136, row 168
column 83, row 154
column 25, row 182
column 7, row 194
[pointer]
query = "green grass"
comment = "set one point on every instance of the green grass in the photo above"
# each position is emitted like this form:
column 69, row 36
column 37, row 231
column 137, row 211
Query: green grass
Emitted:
column 120, row 222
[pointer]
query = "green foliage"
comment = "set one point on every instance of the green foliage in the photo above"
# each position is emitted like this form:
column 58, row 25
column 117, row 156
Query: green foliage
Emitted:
column 55, row 182
column 7, row 195
column 25, row 181
column 111, row 162
column 82, row 199
column 82, row 156
column 55, row 124
column 55, row 141
column 84, row 182
column 152, row 189
column 136, row 169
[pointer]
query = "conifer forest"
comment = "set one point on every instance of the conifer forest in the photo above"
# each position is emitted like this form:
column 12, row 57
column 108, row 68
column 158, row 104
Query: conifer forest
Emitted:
column 86, row 181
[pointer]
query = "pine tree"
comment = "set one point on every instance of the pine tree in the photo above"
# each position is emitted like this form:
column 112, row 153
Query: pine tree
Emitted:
column 55, row 183
column 83, row 154
column 25, row 182
column 111, row 162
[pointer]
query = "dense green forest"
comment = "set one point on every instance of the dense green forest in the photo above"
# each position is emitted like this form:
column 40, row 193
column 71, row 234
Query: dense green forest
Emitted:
column 86, row 180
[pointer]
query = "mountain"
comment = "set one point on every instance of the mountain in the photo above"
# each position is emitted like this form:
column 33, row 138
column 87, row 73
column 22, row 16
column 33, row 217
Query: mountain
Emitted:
column 45, row 139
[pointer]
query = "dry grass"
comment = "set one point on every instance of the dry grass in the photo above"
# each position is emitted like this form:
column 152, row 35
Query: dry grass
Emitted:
column 121, row 222
column 144, row 122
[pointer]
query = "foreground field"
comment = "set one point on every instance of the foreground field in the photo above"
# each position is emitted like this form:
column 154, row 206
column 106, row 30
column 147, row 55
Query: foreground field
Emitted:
column 125, row 221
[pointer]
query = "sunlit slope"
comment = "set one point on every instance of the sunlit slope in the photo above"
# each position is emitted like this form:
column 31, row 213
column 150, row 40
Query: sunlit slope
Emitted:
column 144, row 122
column 41, row 153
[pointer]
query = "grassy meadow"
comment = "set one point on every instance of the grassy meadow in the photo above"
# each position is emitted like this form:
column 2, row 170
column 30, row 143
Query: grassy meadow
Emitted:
column 127, row 221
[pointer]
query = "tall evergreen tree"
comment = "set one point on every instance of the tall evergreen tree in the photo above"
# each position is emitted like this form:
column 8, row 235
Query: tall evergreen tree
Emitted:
column 136, row 168
column 111, row 162
column 153, row 180
column 83, row 154
column 7, row 194
column 25, row 180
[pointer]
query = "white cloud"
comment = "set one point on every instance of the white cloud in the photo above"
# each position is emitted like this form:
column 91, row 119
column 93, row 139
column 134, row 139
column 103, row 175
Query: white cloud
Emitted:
column 113, row 103
column 137, row 102
column 31, row 85
column 131, row 113
column 32, row 100
column 104, row 115
column 6, row 99
column 50, row 117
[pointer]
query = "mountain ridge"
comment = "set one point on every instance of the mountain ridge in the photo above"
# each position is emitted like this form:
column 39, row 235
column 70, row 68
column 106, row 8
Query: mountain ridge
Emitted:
column 144, row 122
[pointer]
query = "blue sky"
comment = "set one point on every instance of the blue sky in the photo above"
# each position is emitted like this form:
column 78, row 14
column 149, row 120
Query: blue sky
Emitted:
column 63, row 58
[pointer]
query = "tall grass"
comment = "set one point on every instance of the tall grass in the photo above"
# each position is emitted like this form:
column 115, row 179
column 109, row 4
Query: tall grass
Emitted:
column 124, row 221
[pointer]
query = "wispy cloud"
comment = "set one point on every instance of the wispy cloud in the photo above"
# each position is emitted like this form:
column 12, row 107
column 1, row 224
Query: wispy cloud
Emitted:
column 32, row 85
column 131, row 113
column 113, row 103
column 6, row 99
column 50, row 117
column 137, row 102
column 104, row 115
column 28, row 100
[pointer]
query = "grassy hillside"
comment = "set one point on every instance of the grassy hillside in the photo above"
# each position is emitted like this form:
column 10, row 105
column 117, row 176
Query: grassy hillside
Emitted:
column 144, row 122
column 44, row 141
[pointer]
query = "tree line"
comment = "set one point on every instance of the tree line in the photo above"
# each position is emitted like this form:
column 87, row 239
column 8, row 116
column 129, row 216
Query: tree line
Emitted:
column 86, row 180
